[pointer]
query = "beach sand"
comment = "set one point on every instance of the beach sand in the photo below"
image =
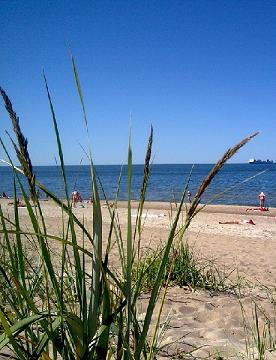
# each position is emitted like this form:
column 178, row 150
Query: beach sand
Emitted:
column 211, row 322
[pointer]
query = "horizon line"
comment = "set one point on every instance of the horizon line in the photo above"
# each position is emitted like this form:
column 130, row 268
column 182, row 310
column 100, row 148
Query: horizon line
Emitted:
column 141, row 164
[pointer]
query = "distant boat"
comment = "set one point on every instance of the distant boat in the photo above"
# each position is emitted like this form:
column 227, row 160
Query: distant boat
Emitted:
column 254, row 161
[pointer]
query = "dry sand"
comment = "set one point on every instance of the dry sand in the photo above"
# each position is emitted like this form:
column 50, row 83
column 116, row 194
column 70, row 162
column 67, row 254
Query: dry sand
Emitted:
column 200, row 318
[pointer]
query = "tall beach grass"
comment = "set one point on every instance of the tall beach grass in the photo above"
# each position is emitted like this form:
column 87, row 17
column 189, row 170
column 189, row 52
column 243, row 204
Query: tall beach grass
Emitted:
column 78, row 307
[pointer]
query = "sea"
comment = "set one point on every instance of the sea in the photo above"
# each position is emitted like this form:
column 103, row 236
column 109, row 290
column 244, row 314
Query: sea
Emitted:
column 235, row 184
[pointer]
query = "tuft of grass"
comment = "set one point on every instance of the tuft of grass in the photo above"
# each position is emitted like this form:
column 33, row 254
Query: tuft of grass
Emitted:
column 188, row 269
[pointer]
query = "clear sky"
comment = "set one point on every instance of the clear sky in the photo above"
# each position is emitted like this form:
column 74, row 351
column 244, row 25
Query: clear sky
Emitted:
column 202, row 72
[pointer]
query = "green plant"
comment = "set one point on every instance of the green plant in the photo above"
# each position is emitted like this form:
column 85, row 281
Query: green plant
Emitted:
column 260, row 332
column 184, row 268
column 78, row 307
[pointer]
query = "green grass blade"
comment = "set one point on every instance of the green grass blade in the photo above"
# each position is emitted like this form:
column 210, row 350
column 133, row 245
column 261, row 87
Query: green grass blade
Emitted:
column 102, row 345
column 7, row 239
column 60, row 152
column 143, row 190
column 158, row 283
column 97, row 231
column 44, row 249
column 79, row 90
column 114, row 223
column 21, row 325
column 8, row 337
column 21, row 263
column 47, row 336
column 97, row 259
column 129, row 248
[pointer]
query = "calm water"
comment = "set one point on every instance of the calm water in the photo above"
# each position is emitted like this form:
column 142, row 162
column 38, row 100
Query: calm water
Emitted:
column 166, row 181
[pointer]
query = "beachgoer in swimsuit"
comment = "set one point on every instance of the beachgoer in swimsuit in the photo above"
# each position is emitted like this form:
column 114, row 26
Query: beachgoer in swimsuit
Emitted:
column 189, row 196
column 238, row 222
column 76, row 198
column 18, row 202
column 262, row 200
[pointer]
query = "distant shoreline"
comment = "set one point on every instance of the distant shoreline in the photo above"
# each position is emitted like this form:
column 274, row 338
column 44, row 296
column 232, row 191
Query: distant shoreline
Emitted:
column 167, row 206
column 210, row 208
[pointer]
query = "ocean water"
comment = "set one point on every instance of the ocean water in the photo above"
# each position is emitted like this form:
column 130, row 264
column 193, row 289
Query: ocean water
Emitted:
column 166, row 182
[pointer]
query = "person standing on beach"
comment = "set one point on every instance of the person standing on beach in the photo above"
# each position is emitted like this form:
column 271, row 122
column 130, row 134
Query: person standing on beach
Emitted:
column 76, row 198
column 262, row 200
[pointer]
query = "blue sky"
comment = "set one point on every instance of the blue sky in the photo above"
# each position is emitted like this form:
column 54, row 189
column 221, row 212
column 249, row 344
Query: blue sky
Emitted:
column 202, row 72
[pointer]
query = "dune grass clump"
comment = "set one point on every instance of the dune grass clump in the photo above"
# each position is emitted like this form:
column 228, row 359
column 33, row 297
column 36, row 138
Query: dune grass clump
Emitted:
column 185, row 268
column 78, row 307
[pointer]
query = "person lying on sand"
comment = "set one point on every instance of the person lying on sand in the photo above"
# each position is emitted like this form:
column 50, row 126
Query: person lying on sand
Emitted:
column 239, row 222
column 150, row 215
column 258, row 209
column 18, row 202
column 111, row 204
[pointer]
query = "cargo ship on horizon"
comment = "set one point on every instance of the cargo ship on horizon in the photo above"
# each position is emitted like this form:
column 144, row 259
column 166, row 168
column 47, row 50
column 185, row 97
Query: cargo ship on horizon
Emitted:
column 254, row 161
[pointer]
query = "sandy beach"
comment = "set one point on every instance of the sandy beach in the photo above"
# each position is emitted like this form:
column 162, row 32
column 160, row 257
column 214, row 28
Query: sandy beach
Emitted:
column 212, row 322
